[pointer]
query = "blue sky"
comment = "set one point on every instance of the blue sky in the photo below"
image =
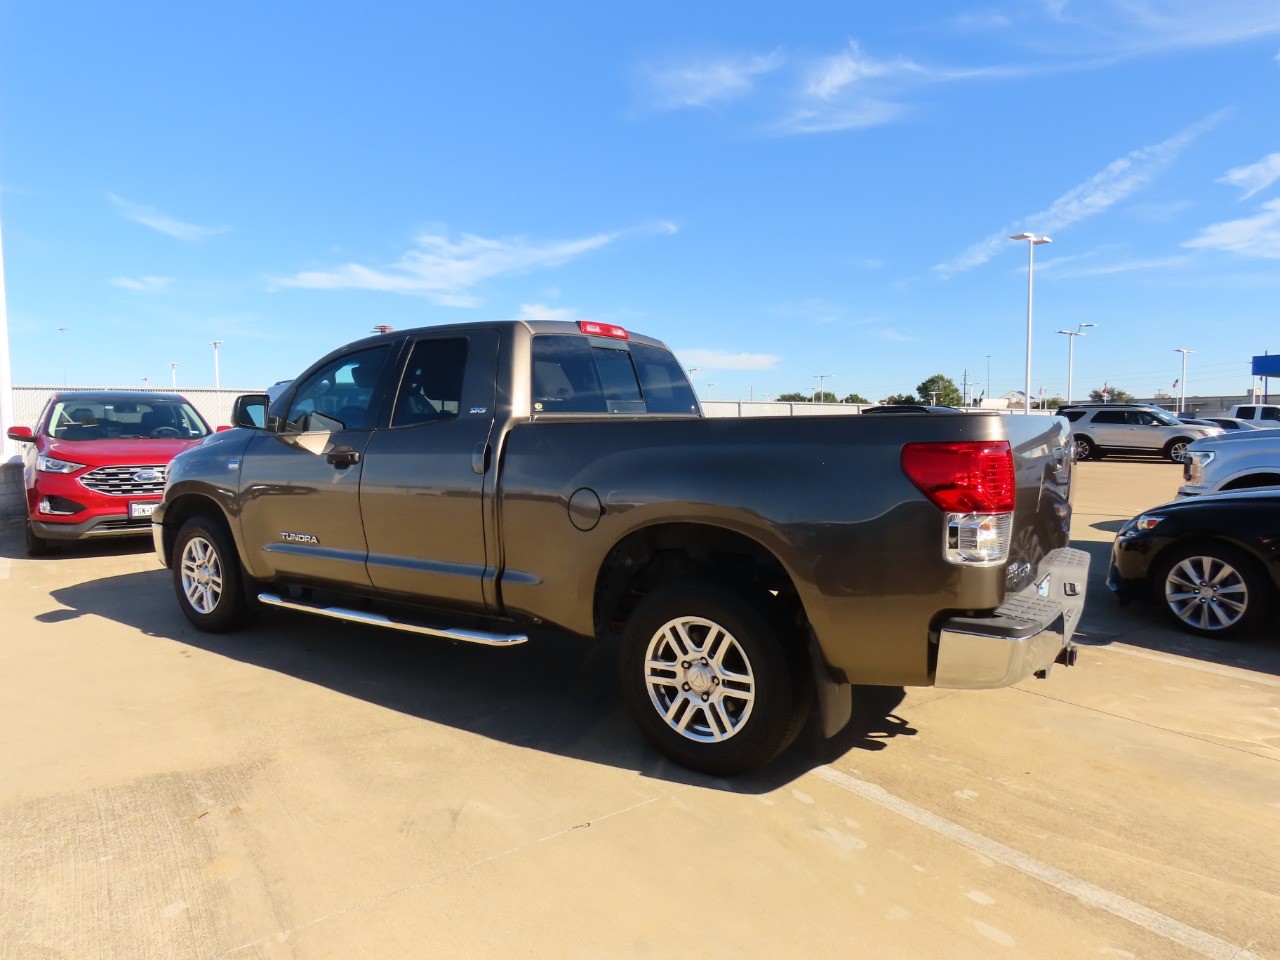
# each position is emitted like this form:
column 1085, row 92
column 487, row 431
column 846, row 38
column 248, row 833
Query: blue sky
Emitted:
column 776, row 191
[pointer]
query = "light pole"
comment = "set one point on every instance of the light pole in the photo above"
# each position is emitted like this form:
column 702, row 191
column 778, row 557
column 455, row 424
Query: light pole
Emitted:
column 1032, row 242
column 173, row 371
column 63, row 341
column 1182, row 381
column 217, row 380
column 1071, row 352
column 820, row 377
column 709, row 386
column 986, row 393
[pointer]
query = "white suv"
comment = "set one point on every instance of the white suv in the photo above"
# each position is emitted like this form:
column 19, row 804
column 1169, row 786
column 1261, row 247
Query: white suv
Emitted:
column 1131, row 428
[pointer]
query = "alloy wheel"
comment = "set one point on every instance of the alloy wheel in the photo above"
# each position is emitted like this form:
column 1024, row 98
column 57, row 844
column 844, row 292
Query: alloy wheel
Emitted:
column 699, row 679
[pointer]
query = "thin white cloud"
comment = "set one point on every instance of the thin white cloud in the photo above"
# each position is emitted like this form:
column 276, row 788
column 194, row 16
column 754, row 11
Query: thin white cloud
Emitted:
column 829, row 76
column 143, row 284
column 1257, row 236
column 446, row 270
column 1056, row 271
column 1255, row 177
column 724, row 360
column 1116, row 181
column 149, row 217
column 537, row 311
column 700, row 83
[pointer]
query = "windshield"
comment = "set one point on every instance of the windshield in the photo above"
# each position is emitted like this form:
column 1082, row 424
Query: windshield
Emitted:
column 90, row 418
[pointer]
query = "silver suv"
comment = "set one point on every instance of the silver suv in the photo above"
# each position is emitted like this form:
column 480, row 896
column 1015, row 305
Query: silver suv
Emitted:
column 1130, row 428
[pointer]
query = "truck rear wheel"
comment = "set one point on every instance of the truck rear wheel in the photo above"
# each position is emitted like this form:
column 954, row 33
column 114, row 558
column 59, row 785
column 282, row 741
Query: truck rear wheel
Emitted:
column 710, row 680
column 207, row 578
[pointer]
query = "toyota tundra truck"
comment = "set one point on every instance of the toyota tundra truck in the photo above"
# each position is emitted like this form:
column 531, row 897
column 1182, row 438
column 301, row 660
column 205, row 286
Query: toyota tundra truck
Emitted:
column 485, row 483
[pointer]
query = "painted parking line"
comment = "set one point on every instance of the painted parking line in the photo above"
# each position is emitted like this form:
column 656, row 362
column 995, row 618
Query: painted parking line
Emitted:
column 5, row 564
column 1087, row 893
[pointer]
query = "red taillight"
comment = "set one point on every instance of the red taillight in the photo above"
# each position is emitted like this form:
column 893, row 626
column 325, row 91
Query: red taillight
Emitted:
column 973, row 476
column 593, row 329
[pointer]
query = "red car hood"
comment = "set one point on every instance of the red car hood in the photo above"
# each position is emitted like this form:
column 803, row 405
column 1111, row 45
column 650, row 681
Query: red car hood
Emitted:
column 107, row 453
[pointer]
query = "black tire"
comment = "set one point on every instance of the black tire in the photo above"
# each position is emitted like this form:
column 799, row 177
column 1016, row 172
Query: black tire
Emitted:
column 695, row 712
column 1086, row 449
column 37, row 546
column 208, row 579
column 1212, row 590
column 1176, row 449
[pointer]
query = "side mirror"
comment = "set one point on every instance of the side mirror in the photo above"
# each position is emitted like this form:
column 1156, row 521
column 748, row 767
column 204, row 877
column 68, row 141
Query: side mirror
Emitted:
column 250, row 410
column 23, row 434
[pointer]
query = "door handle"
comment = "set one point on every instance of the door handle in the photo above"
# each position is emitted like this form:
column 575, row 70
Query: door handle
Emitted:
column 343, row 458
column 480, row 458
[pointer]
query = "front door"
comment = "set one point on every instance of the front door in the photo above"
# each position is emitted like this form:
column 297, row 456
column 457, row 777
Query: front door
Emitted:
column 300, row 484
column 427, row 479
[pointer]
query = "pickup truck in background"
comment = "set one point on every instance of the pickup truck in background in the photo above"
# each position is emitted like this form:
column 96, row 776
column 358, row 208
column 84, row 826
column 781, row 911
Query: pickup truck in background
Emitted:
column 1239, row 461
column 483, row 482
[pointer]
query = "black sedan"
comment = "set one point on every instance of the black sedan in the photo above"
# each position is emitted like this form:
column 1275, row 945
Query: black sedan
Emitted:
column 1212, row 563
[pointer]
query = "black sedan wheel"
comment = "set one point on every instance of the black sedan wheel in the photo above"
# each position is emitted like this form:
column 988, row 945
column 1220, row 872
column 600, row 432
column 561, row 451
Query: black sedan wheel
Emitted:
column 1212, row 590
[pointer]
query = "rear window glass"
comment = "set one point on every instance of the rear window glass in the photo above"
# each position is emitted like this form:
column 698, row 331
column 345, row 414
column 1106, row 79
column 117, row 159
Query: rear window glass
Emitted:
column 1110, row 416
column 586, row 375
column 1073, row 415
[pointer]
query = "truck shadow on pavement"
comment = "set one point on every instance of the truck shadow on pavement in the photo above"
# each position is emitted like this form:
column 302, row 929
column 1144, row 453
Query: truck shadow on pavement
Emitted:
column 1141, row 624
column 554, row 694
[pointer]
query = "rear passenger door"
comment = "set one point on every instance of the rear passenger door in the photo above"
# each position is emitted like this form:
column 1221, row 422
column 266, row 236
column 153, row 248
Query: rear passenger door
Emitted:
column 428, row 477
column 1110, row 428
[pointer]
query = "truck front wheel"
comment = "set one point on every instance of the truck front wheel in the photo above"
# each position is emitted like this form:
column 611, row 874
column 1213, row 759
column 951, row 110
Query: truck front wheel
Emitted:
column 710, row 680
column 207, row 578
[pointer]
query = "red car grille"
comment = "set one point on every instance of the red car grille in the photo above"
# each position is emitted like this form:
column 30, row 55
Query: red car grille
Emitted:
column 147, row 481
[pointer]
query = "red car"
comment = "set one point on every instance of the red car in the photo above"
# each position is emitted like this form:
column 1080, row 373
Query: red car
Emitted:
column 96, row 464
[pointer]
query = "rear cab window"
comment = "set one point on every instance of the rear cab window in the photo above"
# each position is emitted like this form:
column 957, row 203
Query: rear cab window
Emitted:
column 580, row 374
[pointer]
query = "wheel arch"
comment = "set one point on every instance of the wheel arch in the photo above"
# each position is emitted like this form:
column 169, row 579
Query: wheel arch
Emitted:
column 661, row 552
column 183, row 508
column 1249, row 481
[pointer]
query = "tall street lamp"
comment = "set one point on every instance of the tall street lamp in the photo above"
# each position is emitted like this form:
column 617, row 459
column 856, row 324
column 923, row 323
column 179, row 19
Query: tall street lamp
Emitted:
column 709, row 386
column 1032, row 242
column 1071, row 352
column 217, row 380
column 1182, row 381
column 173, row 370
column 63, row 341
column 820, row 377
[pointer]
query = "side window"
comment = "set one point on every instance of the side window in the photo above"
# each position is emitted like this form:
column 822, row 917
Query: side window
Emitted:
column 1269, row 413
column 1246, row 413
column 564, row 376
column 1073, row 415
column 666, row 389
column 431, row 389
column 1142, row 419
column 340, row 395
column 1109, row 416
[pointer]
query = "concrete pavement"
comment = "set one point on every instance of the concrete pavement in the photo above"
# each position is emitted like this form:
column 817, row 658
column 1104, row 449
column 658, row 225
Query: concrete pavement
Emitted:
column 312, row 789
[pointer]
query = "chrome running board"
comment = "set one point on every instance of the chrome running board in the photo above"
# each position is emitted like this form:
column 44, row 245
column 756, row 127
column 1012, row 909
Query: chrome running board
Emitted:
column 378, row 620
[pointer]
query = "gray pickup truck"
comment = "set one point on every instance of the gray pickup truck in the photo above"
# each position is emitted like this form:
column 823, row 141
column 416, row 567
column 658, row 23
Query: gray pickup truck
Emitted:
column 484, row 482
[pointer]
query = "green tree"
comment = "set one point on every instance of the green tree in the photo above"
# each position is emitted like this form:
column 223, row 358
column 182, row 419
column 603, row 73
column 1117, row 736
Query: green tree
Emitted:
column 855, row 398
column 948, row 394
column 795, row 397
column 901, row 398
column 1113, row 395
